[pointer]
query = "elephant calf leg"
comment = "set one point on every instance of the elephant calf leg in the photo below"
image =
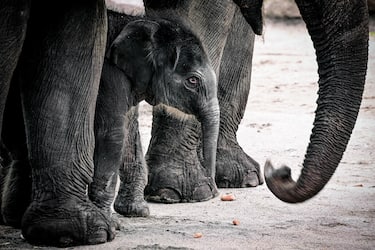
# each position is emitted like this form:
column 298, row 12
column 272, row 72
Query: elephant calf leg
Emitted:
column 133, row 172
column 130, row 200
column 109, row 138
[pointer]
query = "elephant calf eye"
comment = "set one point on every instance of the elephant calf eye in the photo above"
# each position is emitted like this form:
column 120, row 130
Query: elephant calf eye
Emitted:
column 192, row 83
column 193, row 80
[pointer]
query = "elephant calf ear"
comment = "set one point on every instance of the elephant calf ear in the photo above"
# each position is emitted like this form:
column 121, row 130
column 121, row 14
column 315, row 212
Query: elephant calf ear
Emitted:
column 130, row 51
column 252, row 11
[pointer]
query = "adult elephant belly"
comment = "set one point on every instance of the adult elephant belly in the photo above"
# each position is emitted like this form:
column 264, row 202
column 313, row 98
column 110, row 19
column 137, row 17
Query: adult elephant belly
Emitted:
column 180, row 176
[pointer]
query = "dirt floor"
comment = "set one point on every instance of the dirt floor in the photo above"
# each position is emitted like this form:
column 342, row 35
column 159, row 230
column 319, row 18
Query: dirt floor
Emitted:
column 276, row 125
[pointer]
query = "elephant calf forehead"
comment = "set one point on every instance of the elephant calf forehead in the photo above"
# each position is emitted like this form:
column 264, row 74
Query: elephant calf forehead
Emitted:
column 191, row 56
column 175, row 32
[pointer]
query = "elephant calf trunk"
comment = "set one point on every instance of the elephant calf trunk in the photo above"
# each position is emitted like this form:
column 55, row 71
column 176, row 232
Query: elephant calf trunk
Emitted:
column 210, row 121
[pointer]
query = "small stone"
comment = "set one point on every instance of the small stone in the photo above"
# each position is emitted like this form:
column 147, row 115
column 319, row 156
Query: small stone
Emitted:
column 236, row 222
column 228, row 197
column 198, row 235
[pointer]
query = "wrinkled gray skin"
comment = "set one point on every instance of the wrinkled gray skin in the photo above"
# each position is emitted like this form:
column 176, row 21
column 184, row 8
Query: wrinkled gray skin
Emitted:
column 339, row 31
column 55, row 105
column 60, row 141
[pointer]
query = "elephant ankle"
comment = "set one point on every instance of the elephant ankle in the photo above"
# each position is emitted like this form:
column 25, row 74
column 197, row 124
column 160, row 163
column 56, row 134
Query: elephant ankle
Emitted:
column 101, row 196
column 57, row 183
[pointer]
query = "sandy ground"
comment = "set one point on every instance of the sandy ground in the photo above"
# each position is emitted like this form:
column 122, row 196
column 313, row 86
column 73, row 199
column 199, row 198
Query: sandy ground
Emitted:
column 277, row 125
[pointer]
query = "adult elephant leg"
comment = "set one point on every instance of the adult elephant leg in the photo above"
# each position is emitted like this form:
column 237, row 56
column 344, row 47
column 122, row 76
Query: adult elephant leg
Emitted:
column 13, row 23
column 16, row 195
column 234, row 168
column 133, row 171
column 61, row 64
column 5, row 162
column 176, row 172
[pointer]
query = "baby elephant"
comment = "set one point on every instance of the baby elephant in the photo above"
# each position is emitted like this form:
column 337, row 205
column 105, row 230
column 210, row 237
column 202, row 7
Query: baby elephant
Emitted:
column 160, row 61
column 163, row 62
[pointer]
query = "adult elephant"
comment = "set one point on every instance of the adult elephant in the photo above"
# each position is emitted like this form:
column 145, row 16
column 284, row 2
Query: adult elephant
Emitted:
column 339, row 31
column 55, row 105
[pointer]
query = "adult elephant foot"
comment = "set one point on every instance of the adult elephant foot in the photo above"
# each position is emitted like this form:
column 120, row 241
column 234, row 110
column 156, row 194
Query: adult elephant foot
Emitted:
column 66, row 222
column 234, row 168
column 181, row 178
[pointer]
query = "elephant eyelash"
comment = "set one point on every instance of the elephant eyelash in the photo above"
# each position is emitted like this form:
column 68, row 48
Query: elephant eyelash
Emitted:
column 177, row 51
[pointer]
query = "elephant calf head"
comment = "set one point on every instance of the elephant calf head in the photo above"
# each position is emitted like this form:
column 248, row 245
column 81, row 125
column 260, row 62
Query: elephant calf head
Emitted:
column 166, row 64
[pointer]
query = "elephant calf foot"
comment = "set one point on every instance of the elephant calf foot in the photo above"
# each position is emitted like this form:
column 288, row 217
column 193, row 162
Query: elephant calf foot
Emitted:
column 131, row 207
column 235, row 169
column 168, row 184
column 65, row 223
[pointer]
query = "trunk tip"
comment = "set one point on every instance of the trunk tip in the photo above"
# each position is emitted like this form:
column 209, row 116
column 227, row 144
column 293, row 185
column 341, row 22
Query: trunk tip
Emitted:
column 270, row 173
column 280, row 182
column 268, row 169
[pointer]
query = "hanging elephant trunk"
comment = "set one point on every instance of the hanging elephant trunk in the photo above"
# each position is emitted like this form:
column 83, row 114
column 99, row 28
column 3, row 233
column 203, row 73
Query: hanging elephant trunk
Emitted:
column 339, row 31
column 210, row 120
